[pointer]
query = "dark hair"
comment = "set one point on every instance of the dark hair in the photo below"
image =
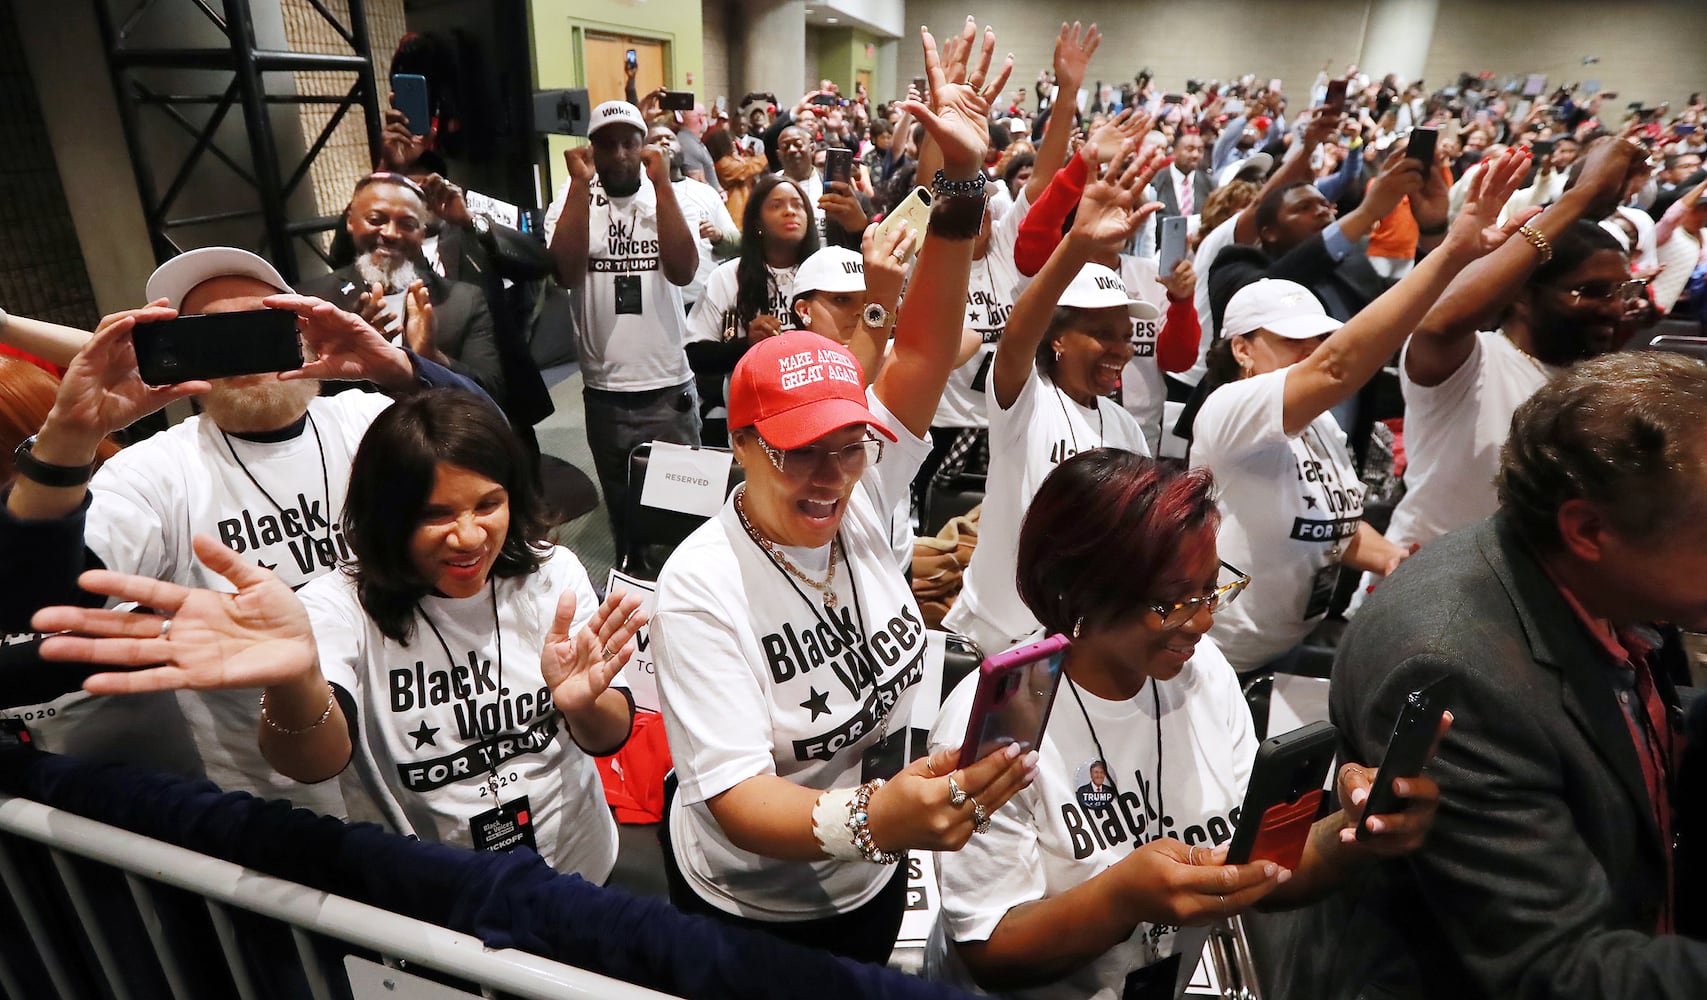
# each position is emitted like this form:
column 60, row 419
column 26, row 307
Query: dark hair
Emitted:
column 1100, row 532
column 1581, row 240
column 1017, row 164
column 752, row 277
column 392, row 477
column 1062, row 319
column 1622, row 432
column 719, row 144
column 880, row 127
column 1269, row 206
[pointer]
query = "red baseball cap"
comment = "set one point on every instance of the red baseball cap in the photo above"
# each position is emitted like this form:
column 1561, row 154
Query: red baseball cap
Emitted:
column 796, row 387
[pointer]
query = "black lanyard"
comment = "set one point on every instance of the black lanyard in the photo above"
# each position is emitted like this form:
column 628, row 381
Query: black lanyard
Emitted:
column 498, row 632
column 325, row 480
column 1061, row 400
column 1156, row 696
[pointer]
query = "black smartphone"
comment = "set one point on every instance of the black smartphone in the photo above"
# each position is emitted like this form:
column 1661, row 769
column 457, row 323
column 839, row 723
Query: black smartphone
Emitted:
column 409, row 95
column 827, row 101
column 1284, row 796
column 1173, row 98
column 218, row 345
column 631, row 59
column 1407, row 749
column 838, row 165
column 1336, row 96
column 1421, row 145
column 921, row 85
column 1543, row 147
column 676, row 100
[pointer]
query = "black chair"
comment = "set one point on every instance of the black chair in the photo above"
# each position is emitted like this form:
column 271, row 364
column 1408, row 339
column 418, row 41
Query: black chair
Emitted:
column 653, row 531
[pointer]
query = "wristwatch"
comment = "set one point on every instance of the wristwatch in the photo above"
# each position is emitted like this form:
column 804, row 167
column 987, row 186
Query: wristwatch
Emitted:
column 481, row 225
column 875, row 317
column 38, row 471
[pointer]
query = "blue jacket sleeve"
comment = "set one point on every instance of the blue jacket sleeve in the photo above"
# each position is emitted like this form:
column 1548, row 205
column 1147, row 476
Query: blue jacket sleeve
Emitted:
column 45, row 558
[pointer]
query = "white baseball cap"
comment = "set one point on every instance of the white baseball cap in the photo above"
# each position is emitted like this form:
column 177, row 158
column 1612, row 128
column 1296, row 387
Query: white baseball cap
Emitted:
column 616, row 113
column 1258, row 163
column 1283, row 308
column 1098, row 287
column 174, row 279
column 832, row 269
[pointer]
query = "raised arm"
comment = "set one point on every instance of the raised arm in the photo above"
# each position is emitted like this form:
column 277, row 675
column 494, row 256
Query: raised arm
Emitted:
column 1353, row 354
column 1107, row 217
column 571, row 241
column 886, row 262
column 1444, row 338
column 1073, row 51
column 927, row 335
column 48, row 341
column 1294, row 169
column 678, row 253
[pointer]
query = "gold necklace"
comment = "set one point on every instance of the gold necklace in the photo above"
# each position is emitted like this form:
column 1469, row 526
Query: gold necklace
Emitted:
column 826, row 588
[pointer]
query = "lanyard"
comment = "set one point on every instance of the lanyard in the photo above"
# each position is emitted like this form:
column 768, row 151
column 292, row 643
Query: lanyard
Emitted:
column 1156, row 697
column 498, row 632
column 1061, row 401
column 325, row 480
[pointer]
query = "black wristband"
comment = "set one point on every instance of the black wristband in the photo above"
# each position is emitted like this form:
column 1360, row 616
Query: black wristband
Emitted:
column 956, row 218
column 57, row 476
column 1439, row 230
column 972, row 187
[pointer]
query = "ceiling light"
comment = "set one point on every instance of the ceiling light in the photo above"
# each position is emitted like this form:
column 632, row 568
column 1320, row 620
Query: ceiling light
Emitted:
column 830, row 20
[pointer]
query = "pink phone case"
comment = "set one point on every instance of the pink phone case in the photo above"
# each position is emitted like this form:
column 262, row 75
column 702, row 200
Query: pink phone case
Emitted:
column 991, row 676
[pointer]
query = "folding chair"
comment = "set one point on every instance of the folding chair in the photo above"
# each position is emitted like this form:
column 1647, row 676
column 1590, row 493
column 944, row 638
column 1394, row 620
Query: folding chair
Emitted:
column 653, row 528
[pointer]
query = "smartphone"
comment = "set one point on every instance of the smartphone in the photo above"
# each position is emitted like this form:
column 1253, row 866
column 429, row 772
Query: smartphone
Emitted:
column 1683, row 129
column 921, row 85
column 1274, row 85
column 218, row 345
column 1543, row 147
column 916, row 209
column 1449, row 130
column 1284, row 796
column 676, row 100
column 1407, row 749
column 1172, row 244
column 1336, row 96
column 1421, row 145
column 409, row 95
column 1173, row 98
column 631, row 59
column 1016, row 690
column 838, row 165
column 827, row 101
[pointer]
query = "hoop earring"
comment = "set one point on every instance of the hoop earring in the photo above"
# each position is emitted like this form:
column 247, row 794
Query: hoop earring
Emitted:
column 1057, row 354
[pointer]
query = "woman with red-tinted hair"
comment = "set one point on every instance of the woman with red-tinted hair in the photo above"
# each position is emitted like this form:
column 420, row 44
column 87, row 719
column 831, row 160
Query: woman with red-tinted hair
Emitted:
column 1086, row 879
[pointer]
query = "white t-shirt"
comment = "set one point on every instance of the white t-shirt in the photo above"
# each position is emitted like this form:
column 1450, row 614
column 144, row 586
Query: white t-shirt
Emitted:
column 632, row 318
column 700, row 202
column 1453, row 435
column 1218, row 239
column 1289, row 506
column 1046, row 841
column 990, row 293
column 1142, row 389
column 1042, row 429
column 756, row 679
column 713, row 317
column 432, row 735
column 276, row 503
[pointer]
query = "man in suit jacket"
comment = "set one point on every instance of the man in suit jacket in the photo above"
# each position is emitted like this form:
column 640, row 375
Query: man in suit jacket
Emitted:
column 1550, row 870
column 1184, row 187
column 387, row 223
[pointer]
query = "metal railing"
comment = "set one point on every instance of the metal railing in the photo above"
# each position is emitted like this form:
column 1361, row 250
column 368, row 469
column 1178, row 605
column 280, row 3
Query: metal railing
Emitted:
column 312, row 916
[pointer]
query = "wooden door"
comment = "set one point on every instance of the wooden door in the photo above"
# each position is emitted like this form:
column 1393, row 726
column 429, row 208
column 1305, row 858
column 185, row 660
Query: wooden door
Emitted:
column 605, row 56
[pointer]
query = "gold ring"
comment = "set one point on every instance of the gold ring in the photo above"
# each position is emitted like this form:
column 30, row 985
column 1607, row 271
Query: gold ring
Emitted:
column 901, row 253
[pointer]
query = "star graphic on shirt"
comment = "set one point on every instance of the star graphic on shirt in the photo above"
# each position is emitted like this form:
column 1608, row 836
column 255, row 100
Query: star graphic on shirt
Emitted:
column 1310, row 502
column 265, row 564
column 424, row 735
column 819, row 703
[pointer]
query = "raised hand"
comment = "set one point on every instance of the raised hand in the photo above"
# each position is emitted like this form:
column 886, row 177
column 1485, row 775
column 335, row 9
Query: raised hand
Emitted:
column 1182, row 283
column 1131, row 124
column 579, row 162
column 1109, row 212
column 256, row 637
column 1477, row 231
column 1608, row 164
column 446, row 201
column 374, row 310
column 958, row 116
column 580, row 667
column 1400, row 177
column 420, row 326
column 839, row 205
column 657, row 167
column 1073, row 51
column 344, row 345
column 102, row 391
column 399, row 146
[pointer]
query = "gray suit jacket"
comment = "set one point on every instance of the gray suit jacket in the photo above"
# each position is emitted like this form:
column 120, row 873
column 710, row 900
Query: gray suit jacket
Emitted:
column 1164, row 188
column 462, row 324
column 1544, row 873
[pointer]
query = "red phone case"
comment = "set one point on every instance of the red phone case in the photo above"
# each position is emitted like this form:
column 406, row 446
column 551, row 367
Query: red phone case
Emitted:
column 1285, row 830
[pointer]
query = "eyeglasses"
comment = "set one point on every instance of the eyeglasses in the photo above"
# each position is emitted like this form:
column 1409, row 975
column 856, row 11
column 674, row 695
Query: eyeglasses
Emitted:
column 801, row 463
column 1177, row 615
column 1607, row 291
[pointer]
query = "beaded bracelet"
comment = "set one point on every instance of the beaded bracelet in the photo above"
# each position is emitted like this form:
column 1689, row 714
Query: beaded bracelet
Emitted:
column 972, row 187
column 331, row 699
column 1538, row 240
column 858, row 825
column 830, row 824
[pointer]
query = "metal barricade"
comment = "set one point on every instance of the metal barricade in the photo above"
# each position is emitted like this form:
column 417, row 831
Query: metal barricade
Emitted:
column 315, row 920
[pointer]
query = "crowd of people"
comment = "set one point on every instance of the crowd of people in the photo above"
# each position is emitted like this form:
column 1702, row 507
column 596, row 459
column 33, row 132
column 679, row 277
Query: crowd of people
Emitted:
column 1188, row 347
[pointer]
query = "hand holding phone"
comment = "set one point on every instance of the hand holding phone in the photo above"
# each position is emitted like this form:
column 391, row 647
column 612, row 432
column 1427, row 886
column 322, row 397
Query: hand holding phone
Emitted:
column 1335, row 101
column 1415, row 735
column 217, row 345
column 1016, row 690
column 916, row 210
column 838, row 165
column 1421, row 145
column 1284, row 796
column 676, row 100
column 409, row 95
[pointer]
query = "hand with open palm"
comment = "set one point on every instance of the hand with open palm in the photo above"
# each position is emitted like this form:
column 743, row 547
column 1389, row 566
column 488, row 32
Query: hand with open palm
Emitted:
column 1109, row 212
column 579, row 668
column 958, row 116
column 1477, row 232
column 255, row 638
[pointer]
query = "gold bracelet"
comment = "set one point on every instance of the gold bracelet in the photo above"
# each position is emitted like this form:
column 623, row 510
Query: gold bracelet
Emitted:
column 331, row 699
column 1538, row 240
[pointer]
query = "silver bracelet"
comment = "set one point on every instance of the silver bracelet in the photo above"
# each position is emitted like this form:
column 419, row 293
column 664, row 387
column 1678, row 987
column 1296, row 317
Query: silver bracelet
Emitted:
column 331, row 699
column 859, row 826
column 830, row 824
